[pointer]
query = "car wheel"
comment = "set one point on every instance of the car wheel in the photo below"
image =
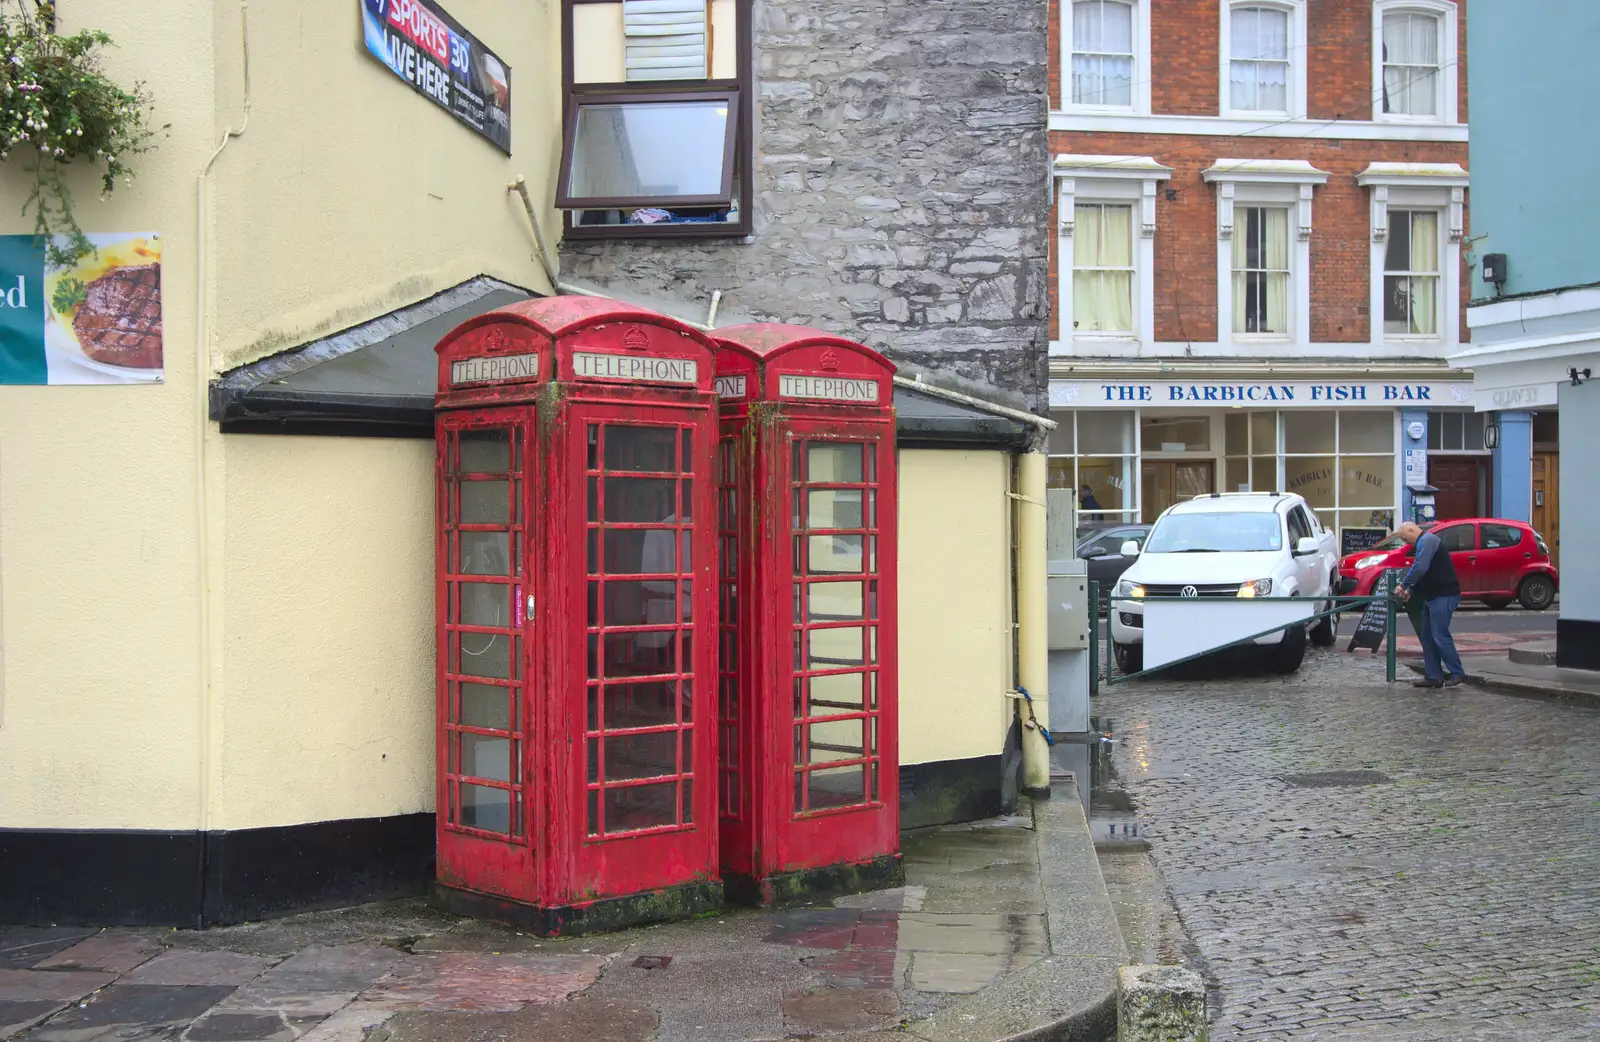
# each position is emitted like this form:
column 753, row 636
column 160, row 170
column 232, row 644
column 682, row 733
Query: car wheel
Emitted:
column 1130, row 657
column 1537, row 592
column 1285, row 657
column 1322, row 632
column 1496, row 603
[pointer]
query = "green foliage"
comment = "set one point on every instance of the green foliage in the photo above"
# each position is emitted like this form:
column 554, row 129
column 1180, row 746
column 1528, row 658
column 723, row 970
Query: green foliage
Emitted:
column 56, row 107
column 68, row 295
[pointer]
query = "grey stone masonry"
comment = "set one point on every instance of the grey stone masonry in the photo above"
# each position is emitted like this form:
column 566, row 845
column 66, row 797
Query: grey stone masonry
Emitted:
column 1161, row 1004
column 901, row 189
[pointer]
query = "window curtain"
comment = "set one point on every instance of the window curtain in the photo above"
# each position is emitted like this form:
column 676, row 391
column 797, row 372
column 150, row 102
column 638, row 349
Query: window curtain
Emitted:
column 1102, row 59
column 1411, row 59
column 1425, row 288
column 1259, row 57
column 1102, row 237
column 1277, row 251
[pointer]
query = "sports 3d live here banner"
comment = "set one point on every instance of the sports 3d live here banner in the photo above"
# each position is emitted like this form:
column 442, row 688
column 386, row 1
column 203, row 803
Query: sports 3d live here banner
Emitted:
column 96, row 322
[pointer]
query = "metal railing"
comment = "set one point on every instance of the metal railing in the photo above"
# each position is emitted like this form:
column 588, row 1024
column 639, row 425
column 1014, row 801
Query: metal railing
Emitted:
column 1102, row 663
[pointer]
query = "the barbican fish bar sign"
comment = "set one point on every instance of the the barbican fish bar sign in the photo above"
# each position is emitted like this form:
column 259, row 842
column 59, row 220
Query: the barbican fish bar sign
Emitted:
column 1265, row 395
column 645, row 369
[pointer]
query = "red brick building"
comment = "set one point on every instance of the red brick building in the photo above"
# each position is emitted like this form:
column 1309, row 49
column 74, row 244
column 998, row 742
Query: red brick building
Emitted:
column 1260, row 209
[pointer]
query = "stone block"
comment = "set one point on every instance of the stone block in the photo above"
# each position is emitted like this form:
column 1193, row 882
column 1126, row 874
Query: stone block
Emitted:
column 1161, row 1004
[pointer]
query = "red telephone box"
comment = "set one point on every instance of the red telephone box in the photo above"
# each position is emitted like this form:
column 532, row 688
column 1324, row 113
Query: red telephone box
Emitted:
column 576, row 617
column 809, row 771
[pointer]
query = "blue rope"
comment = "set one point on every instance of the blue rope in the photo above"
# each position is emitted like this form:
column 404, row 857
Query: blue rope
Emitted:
column 1033, row 718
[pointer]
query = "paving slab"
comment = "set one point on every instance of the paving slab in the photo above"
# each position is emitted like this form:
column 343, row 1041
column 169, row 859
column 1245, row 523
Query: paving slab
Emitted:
column 23, row 946
column 331, row 968
column 588, row 1020
column 830, row 1010
column 64, row 985
column 115, row 951
column 147, row 1009
column 17, row 1015
column 250, row 1027
column 200, row 967
column 484, row 982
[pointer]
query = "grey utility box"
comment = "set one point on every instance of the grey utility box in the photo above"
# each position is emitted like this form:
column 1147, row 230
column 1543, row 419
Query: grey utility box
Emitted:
column 1068, row 586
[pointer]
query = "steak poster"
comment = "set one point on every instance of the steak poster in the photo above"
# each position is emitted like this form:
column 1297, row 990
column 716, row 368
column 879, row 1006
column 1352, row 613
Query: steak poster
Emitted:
column 96, row 322
column 443, row 62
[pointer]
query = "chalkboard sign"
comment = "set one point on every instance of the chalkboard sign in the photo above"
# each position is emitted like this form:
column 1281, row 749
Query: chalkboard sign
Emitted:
column 1374, row 624
column 1355, row 540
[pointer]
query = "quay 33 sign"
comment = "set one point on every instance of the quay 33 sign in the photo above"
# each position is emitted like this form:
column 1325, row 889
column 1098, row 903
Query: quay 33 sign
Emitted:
column 1124, row 395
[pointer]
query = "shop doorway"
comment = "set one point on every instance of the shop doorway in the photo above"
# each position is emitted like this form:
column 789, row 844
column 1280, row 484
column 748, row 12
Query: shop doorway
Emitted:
column 1547, row 501
column 1165, row 482
column 1462, row 482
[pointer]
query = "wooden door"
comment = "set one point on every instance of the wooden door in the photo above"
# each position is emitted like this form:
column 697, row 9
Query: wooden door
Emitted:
column 1460, row 485
column 1547, row 501
column 1166, row 482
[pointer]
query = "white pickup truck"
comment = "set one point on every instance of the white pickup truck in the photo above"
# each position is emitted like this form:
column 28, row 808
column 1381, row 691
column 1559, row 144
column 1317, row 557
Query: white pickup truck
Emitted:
column 1231, row 545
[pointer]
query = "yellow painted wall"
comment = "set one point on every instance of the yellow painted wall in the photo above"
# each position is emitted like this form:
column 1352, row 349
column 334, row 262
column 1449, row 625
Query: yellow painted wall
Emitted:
column 348, row 195
column 97, row 505
column 325, row 710
column 351, row 194
column 724, row 39
column 597, row 43
column 955, row 603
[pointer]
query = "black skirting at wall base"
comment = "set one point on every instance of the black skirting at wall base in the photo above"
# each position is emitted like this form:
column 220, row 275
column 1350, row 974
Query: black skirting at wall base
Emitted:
column 946, row 791
column 1578, row 643
column 192, row 879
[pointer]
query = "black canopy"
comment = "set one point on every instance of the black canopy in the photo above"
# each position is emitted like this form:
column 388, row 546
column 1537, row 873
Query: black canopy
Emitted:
column 378, row 379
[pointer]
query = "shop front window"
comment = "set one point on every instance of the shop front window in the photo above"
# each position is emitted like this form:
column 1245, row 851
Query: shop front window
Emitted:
column 1341, row 463
column 1455, row 431
column 1250, row 442
column 1095, row 452
column 1175, row 433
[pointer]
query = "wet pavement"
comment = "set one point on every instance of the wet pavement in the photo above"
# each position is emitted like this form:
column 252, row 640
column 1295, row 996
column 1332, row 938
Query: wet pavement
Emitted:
column 940, row 958
column 1345, row 859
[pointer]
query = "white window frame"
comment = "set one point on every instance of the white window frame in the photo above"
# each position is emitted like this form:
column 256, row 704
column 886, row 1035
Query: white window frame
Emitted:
column 1418, row 186
column 1108, row 179
column 1141, row 63
column 1449, row 85
column 1266, row 182
column 1296, row 10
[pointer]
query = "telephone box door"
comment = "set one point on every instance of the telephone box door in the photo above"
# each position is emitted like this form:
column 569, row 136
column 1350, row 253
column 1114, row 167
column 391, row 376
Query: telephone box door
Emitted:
column 488, row 818
column 840, row 562
column 638, row 478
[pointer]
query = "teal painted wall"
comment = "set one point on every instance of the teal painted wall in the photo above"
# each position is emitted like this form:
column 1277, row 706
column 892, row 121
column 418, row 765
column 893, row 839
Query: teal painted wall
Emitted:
column 1535, row 83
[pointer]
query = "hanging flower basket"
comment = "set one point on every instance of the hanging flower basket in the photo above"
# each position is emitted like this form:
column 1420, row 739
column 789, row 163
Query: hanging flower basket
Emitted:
column 58, row 107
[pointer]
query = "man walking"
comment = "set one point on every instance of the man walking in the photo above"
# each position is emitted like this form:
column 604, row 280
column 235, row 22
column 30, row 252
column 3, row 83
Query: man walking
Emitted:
column 1432, row 580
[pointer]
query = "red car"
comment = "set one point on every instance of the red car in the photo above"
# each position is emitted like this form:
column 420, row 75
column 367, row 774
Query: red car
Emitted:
column 1497, row 561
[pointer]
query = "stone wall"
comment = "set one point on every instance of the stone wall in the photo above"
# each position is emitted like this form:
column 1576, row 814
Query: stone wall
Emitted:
column 901, row 189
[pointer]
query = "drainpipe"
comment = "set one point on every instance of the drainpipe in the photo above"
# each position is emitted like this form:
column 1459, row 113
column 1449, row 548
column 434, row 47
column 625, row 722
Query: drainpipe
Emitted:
column 208, row 765
column 1033, row 655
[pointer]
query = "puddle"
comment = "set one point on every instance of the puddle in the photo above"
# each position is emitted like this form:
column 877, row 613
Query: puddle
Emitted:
column 951, row 953
column 1111, row 811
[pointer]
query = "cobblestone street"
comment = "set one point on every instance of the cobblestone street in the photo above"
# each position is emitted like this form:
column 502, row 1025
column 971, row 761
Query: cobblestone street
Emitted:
column 1353, row 860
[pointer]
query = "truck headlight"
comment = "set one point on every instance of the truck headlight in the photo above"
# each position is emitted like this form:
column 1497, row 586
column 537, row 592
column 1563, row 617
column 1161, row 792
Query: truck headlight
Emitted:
column 1256, row 588
column 1127, row 588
